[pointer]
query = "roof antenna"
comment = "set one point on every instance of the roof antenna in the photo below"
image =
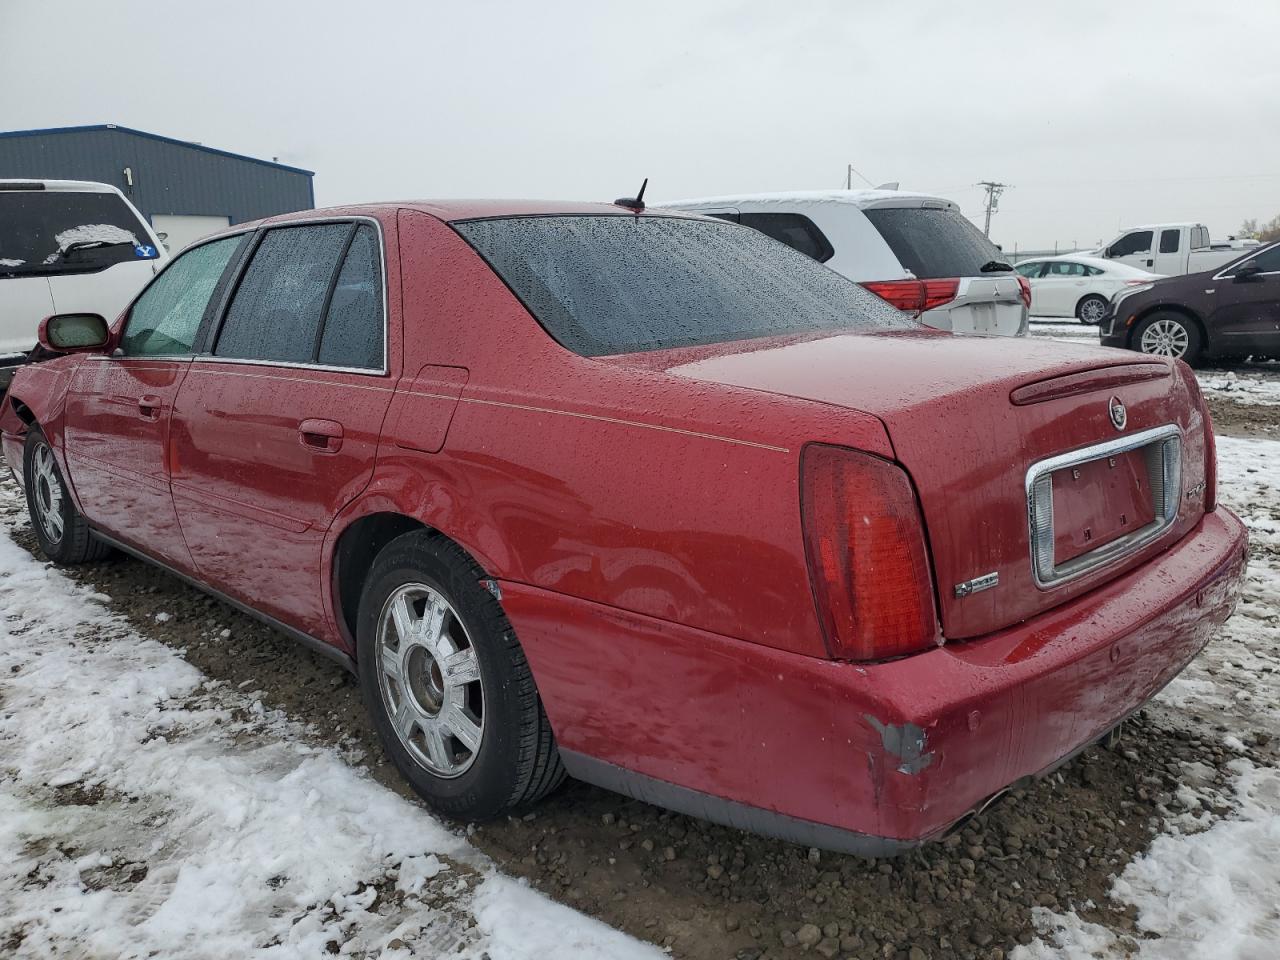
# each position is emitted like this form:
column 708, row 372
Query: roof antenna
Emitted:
column 635, row 203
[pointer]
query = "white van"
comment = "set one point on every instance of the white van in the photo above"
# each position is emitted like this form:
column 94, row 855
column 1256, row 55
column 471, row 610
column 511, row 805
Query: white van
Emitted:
column 66, row 246
column 917, row 251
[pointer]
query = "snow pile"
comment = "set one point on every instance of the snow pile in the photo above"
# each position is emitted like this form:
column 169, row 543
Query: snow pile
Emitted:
column 145, row 811
column 1242, row 387
column 1209, row 888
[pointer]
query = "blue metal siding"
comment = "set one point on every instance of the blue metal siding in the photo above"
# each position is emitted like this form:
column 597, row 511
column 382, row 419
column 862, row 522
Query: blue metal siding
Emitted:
column 169, row 177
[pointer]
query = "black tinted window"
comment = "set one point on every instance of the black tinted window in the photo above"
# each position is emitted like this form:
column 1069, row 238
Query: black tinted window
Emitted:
column 54, row 231
column 621, row 284
column 1139, row 242
column 275, row 313
column 165, row 318
column 353, row 326
column 799, row 233
column 1031, row 269
column 933, row 242
column 1169, row 241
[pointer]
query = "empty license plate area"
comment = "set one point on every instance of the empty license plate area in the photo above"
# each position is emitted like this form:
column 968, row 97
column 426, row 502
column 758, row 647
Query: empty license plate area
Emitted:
column 1098, row 501
column 1090, row 507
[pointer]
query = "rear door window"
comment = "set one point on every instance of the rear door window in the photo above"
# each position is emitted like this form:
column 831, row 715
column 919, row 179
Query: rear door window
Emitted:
column 58, row 231
column 796, row 231
column 276, row 310
column 353, row 325
column 164, row 320
column 934, row 242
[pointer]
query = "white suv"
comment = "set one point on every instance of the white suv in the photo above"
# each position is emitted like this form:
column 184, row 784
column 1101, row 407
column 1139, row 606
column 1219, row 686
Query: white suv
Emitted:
column 918, row 252
column 66, row 246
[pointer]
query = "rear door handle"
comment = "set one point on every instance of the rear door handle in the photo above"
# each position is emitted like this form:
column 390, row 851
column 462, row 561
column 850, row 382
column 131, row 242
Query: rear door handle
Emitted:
column 324, row 436
column 149, row 406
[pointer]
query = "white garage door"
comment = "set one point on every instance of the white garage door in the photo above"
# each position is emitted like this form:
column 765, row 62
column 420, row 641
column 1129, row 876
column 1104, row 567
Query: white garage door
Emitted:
column 177, row 230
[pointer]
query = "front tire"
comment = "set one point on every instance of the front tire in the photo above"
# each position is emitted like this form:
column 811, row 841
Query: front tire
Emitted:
column 447, row 685
column 1167, row 334
column 61, row 530
column 1091, row 309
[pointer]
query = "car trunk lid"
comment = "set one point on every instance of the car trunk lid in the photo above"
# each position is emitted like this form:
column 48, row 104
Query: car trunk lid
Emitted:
column 971, row 420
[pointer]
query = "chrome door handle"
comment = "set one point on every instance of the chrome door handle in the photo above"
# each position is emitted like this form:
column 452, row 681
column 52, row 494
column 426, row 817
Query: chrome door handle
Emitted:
column 149, row 407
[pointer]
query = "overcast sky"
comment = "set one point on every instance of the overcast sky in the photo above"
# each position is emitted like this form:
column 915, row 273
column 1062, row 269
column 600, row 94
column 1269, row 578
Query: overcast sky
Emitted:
column 1100, row 114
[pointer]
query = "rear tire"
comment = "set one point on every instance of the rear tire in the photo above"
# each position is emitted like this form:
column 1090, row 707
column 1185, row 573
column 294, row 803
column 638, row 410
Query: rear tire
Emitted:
column 1091, row 309
column 1167, row 334
column 447, row 685
column 61, row 530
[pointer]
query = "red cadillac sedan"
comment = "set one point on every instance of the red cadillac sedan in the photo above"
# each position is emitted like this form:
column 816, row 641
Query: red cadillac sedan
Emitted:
column 644, row 498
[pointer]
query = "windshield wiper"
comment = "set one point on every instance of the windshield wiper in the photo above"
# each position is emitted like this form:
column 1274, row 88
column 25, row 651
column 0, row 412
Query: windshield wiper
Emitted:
column 995, row 266
column 93, row 244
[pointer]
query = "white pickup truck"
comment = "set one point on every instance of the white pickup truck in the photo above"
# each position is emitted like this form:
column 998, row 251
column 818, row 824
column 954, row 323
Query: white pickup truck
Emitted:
column 1170, row 249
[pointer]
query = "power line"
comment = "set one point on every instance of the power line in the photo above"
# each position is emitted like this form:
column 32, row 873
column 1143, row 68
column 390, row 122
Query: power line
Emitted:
column 993, row 200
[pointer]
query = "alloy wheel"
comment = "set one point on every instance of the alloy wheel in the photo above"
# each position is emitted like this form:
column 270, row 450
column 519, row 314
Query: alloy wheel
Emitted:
column 48, row 493
column 1165, row 338
column 1092, row 310
column 429, row 678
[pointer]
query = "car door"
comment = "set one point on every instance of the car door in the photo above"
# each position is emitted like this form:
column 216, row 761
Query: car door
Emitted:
column 1134, row 248
column 1032, row 269
column 1169, row 255
column 1058, row 288
column 1246, row 309
column 119, row 406
column 276, row 425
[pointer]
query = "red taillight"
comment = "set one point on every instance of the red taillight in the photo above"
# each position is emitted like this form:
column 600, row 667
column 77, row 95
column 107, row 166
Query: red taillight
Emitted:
column 1024, row 288
column 1136, row 283
column 914, row 296
column 1210, row 441
column 864, row 538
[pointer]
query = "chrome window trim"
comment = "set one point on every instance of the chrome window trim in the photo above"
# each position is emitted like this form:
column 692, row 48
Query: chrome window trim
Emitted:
column 1121, row 547
column 297, row 365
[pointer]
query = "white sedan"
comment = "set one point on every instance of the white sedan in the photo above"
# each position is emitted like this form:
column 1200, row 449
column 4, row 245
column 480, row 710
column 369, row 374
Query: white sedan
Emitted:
column 1075, row 286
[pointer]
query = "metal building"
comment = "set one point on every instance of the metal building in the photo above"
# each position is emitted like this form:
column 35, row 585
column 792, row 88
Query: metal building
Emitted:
column 186, row 190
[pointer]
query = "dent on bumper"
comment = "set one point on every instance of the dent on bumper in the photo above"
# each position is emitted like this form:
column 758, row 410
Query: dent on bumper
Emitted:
column 866, row 759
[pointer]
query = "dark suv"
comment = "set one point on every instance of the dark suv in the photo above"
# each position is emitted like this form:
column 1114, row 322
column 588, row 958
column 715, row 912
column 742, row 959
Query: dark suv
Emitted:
column 1233, row 311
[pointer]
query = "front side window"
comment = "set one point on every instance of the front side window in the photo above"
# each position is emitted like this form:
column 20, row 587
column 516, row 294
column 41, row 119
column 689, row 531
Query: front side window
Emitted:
column 797, row 232
column 276, row 311
column 1131, row 243
column 1031, row 269
column 58, row 231
column 166, row 317
column 622, row 284
column 1169, row 240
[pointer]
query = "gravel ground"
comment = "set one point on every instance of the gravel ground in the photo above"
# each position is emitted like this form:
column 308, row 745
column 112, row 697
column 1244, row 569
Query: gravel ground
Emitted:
column 706, row 891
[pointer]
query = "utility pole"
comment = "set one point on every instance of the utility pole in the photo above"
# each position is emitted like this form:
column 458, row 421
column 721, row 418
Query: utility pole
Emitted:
column 848, row 177
column 993, row 200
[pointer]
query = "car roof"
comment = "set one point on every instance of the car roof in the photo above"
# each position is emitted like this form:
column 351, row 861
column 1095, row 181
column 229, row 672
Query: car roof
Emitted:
column 1100, row 262
column 857, row 198
column 66, row 186
column 452, row 211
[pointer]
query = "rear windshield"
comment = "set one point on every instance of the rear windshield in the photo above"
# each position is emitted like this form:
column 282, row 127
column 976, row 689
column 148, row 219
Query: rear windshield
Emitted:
column 934, row 243
column 624, row 284
column 53, row 231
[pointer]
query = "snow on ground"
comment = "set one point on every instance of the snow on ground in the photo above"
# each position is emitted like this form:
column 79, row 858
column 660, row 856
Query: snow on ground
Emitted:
column 147, row 811
column 1262, row 388
column 1209, row 887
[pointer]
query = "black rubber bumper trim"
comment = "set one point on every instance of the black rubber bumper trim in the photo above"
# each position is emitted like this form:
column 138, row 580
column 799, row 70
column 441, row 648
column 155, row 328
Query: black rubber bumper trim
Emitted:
column 730, row 813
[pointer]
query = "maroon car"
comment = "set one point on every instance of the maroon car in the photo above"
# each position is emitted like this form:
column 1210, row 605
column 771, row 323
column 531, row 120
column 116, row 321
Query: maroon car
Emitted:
column 646, row 498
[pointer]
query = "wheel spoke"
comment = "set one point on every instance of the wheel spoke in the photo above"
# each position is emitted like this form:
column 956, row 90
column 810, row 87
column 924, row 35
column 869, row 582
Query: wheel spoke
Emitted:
column 433, row 621
column 406, row 624
column 463, row 727
column 461, row 667
column 436, row 748
column 406, row 718
column 54, row 526
column 391, row 665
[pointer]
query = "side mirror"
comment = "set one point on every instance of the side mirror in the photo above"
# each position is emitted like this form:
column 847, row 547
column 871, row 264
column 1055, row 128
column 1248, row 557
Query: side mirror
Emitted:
column 74, row 333
column 1247, row 271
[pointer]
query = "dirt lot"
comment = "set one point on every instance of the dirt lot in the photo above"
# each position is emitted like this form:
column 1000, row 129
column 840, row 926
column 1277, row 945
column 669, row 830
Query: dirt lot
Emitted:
column 709, row 892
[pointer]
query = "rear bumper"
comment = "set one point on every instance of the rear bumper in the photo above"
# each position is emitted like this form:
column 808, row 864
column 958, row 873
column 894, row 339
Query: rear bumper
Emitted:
column 867, row 759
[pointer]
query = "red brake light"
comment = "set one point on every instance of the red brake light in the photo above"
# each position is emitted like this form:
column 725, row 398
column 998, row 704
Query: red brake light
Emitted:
column 914, row 296
column 1024, row 287
column 864, row 538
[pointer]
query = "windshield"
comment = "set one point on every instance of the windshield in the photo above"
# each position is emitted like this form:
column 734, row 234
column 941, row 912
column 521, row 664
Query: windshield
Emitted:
column 934, row 243
column 56, row 231
column 624, row 284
